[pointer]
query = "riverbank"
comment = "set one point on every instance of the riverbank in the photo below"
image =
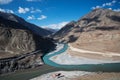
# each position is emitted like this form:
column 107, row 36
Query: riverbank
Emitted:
column 73, row 51
column 78, row 75
column 99, row 76
column 58, row 47
column 66, row 59
column 73, row 56
column 28, row 73
column 62, row 75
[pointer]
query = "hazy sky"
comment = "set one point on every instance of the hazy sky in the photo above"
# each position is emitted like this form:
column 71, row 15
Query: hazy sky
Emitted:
column 54, row 13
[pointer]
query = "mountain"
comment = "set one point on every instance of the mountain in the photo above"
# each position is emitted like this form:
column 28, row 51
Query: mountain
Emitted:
column 20, row 47
column 60, row 35
column 37, row 30
column 99, row 30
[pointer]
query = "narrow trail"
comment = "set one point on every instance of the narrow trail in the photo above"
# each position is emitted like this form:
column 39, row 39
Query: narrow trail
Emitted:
column 110, row 54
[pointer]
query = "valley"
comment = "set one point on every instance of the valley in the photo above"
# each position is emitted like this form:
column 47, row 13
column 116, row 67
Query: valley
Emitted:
column 86, row 47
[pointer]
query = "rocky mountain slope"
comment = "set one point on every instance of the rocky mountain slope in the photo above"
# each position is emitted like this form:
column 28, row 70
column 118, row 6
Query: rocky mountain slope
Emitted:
column 20, row 47
column 30, row 26
column 99, row 30
column 64, row 31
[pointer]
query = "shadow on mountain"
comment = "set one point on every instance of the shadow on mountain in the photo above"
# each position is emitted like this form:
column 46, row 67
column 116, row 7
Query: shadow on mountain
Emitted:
column 114, row 18
column 79, row 29
column 107, row 28
column 92, row 19
column 45, row 44
column 72, row 38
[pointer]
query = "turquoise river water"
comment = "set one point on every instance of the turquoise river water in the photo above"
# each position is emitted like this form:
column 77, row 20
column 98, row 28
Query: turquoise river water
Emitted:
column 106, row 67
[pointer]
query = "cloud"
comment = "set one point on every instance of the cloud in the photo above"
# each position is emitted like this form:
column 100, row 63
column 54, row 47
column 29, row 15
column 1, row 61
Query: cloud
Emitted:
column 117, row 10
column 56, row 26
column 33, row 0
column 110, row 8
column 2, row 10
column 5, row 1
column 9, row 11
column 33, row 10
column 32, row 17
column 108, row 4
column 42, row 17
column 23, row 10
column 114, row 1
column 6, row 10
column 96, row 7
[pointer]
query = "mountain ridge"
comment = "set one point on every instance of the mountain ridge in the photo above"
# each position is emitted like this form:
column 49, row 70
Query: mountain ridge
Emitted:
column 36, row 29
column 95, row 20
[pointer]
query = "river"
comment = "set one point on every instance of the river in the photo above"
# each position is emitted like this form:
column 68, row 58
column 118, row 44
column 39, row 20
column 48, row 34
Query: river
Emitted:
column 51, row 66
column 106, row 67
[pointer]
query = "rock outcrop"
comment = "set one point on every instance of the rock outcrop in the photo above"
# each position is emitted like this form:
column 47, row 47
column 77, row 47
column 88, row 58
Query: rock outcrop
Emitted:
column 99, row 30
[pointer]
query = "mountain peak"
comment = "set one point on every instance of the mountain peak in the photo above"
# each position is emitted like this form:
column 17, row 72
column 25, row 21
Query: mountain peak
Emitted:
column 100, row 17
column 100, row 12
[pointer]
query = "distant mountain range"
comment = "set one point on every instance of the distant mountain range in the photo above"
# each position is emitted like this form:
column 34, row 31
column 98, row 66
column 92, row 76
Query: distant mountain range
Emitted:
column 51, row 30
column 99, row 30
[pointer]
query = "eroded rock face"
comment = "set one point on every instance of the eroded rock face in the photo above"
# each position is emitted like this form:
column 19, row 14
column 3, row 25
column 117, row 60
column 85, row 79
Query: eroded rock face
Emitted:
column 15, row 41
column 99, row 30
column 20, row 62
column 20, row 48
